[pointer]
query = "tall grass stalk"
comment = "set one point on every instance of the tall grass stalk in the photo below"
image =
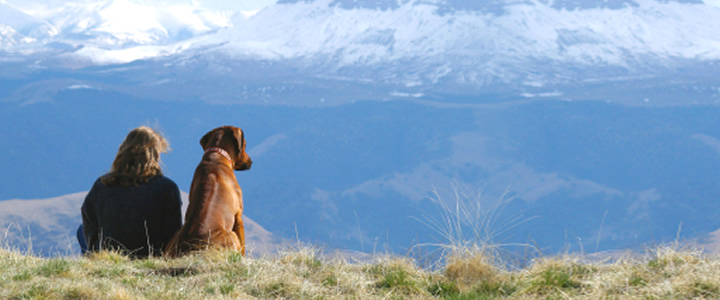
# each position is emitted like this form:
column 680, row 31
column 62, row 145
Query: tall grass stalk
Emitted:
column 471, row 225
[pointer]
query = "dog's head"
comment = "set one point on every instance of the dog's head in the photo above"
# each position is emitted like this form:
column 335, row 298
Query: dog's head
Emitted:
column 232, row 140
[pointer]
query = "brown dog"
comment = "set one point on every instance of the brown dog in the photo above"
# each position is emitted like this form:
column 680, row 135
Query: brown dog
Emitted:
column 214, row 213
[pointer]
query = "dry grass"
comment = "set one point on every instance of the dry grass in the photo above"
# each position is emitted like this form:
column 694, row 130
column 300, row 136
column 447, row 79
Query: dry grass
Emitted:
column 664, row 273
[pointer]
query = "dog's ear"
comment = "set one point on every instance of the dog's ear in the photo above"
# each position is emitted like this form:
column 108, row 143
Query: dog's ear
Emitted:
column 206, row 139
column 239, row 140
column 242, row 161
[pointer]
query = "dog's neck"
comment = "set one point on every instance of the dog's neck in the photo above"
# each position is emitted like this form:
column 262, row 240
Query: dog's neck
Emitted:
column 221, row 151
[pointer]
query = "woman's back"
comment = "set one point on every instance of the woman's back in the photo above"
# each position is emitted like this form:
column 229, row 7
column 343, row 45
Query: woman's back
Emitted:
column 138, row 219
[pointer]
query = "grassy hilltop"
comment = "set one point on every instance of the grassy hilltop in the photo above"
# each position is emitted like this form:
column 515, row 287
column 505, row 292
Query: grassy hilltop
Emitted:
column 471, row 266
column 665, row 273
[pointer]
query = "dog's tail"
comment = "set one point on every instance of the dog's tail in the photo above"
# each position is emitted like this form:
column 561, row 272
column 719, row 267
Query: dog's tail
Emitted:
column 171, row 250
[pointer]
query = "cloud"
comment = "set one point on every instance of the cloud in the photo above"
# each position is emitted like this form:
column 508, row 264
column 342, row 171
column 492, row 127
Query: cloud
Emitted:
column 641, row 208
column 328, row 208
column 266, row 144
column 709, row 141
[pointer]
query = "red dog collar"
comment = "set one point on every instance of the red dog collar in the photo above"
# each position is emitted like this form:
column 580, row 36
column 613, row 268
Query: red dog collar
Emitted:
column 219, row 150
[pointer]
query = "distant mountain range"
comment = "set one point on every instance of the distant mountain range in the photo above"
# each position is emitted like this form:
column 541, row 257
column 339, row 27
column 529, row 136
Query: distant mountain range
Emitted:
column 397, row 49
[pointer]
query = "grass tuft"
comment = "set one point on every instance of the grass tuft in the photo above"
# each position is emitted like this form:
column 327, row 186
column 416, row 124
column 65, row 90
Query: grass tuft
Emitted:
column 469, row 268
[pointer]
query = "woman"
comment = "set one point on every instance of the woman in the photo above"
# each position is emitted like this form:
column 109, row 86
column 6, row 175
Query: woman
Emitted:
column 133, row 208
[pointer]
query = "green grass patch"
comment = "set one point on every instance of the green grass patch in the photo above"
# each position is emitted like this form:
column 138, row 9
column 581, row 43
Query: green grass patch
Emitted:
column 444, row 289
column 53, row 267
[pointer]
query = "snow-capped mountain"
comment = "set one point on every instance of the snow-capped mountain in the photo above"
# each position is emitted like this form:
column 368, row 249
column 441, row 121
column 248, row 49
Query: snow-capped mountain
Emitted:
column 18, row 28
column 534, row 44
column 418, row 48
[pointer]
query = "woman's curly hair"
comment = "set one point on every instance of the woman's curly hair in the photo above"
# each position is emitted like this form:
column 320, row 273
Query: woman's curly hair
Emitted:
column 138, row 158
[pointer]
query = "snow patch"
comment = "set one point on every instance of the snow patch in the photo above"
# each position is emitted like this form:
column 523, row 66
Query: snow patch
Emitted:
column 715, row 3
column 82, row 87
column 546, row 94
column 406, row 95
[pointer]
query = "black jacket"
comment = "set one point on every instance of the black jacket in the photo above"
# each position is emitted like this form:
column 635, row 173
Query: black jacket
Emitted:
column 138, row 220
